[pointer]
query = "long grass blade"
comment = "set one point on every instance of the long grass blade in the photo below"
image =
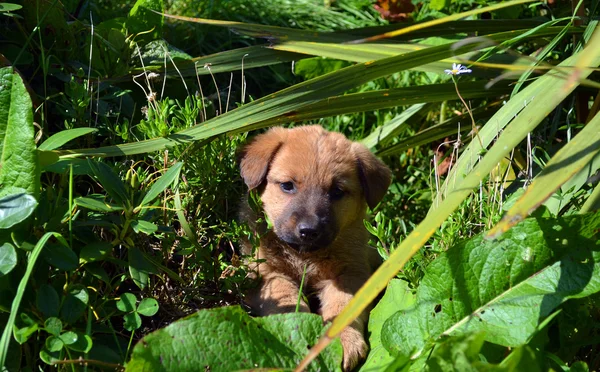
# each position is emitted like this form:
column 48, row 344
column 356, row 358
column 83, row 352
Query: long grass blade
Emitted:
column 567, row 162
column 14, row 309
column 528, row 119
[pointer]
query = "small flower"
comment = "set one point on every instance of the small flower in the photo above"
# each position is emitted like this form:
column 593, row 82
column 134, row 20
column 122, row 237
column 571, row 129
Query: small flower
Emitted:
column 458, row 69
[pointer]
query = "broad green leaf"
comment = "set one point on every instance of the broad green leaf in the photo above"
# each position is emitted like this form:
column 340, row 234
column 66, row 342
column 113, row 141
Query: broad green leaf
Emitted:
column 61, row 257
column 54, row 344
column 47, row 301
column 142, row 19
column 110, row 181
column 15, row 208
column 53, row 326
column 83, row 343
column 504, row 287
column 139, row 267
column 98, row 272
column 18, row 159
column 49, row 357
column 146, row 227
column 94, row 251
column 161, row 185
column 75, row 304
column 132, row 321
column 8, row 258
column 397, row 297
column 63, row 137
column 148, row 307
column 68, row 338
column 241, row 343
column 9, row 7
column 24, row 328
column 127, row 302
column 567, row 162
column 97, row 204
column 16, row 303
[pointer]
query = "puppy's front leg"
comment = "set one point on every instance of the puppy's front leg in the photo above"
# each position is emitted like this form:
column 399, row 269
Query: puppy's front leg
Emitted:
column 276, row 294
column 334, row 296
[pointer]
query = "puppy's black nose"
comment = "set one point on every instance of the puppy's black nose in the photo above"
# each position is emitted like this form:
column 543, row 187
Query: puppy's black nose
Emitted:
column 308, row 232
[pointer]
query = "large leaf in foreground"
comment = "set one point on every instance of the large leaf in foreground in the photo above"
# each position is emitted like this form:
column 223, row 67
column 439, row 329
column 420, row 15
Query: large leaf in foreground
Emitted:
column 18, row 158
column 504, row 287
column 228, row 339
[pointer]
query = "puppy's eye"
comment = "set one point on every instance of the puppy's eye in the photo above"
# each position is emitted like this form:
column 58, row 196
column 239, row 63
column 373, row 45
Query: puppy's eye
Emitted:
column 288, row 187
column 336, row 193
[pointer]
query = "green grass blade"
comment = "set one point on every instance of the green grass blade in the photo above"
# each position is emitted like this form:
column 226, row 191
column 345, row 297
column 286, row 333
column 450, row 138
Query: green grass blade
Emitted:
column 440, row 131
column 567, row 162
column 14, row 309
column 308, row 105
column 527, row 120
column 531, row 96
column 62, row 137
column 453, row 17
column 163, row 182
column 593, row 201
column 391, row 128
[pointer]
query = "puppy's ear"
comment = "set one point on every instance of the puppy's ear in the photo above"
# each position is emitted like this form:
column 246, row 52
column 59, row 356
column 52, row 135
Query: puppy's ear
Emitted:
column 256, row 157
column 375, row 177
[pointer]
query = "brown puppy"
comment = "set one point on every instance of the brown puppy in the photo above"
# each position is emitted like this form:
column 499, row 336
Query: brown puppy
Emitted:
column 314, row 186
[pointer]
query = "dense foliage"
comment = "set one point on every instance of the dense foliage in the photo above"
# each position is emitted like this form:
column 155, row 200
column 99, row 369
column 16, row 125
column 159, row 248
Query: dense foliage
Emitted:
column 119, row 187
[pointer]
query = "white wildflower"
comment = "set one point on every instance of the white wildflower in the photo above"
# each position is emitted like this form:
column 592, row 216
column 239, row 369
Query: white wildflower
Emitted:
column 458, row 69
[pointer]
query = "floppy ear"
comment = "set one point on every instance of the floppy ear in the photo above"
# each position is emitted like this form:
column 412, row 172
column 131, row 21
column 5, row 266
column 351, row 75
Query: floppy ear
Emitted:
column 375, row 177
column 256, row 157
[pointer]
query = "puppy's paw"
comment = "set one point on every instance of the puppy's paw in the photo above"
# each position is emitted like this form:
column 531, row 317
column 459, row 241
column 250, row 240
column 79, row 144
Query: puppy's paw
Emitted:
column 355, row 348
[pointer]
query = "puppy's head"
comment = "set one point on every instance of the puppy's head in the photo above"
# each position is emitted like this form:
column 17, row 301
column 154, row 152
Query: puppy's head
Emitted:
column 313, row 183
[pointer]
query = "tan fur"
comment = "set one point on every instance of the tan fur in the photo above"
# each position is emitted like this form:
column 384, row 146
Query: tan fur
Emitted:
column 338, row 260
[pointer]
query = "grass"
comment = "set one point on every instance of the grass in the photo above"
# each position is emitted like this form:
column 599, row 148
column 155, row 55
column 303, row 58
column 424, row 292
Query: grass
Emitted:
column 189, row 236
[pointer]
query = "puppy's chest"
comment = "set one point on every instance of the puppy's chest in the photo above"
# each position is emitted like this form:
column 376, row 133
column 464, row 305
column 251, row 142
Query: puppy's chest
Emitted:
column 315, row 268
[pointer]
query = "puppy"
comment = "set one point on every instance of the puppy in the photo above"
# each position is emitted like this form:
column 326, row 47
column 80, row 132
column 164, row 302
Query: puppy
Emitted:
column 315, row 187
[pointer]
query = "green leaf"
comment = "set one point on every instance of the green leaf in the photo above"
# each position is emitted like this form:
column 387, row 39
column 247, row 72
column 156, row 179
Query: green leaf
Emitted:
column 94, row 251
column 142, row 18
column 8, row 258
column 47, row 301
column 49, row 357
column 9, row 7
column 161, row 185
column 62, row 137
column 24, row 328
column 53, row 326
column 110, row 181
column 397, row 297
column 97, row 204
column 61, row 257
column 18, row 159
column 47, row 158
column 127, row 302
column 132, row 321
column 74, row 304
column 227, row 339
column 146, row 227
column 68, row 338
column 16, row 303
column 457, row 353
column 139, row 267
column 54, row 344
column 83, row 343
column 148, row 307
column 15, row 208
column 62, row 166
column 504, row 287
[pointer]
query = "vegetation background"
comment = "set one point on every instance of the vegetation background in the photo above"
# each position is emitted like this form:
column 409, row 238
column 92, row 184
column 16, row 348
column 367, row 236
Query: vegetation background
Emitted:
column 119, row 185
